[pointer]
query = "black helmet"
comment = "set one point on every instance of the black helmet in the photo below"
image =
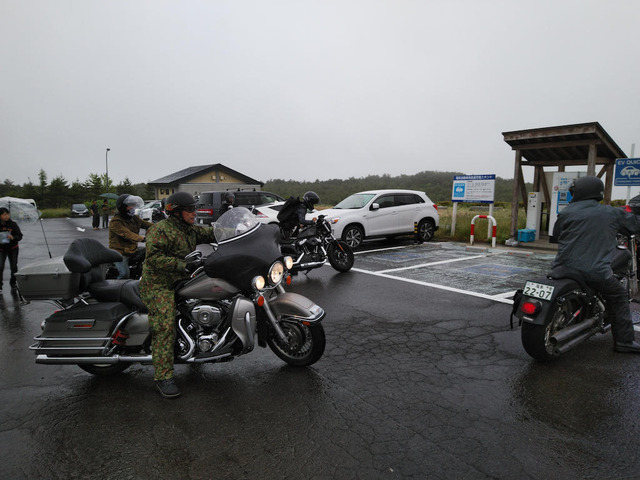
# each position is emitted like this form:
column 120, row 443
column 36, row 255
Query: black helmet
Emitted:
column 177, row 202
column 230, row 198
column 126, row 200
column 310, row 199
column 587, row 188
column 634, row 205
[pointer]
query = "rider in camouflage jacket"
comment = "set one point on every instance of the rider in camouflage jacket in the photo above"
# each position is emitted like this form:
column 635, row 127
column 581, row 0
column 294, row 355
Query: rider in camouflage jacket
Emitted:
column 168, row 242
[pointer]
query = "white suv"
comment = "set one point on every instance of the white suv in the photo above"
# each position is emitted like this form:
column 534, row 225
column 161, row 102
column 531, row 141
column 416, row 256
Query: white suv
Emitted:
column 383, row 213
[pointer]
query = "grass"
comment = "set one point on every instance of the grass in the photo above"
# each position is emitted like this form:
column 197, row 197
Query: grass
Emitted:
column 465, row 214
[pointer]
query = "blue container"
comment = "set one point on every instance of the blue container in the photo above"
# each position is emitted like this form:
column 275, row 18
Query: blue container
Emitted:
column 526, row 235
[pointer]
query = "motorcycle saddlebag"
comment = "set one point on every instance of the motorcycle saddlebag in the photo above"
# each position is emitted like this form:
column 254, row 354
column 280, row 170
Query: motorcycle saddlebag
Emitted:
column 82, row 329
column 48, row 279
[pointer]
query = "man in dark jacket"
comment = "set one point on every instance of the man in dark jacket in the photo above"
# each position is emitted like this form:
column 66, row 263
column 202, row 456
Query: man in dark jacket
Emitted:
column 586, row 235
column 10, row 235
column 168, row 242
column 124, row 230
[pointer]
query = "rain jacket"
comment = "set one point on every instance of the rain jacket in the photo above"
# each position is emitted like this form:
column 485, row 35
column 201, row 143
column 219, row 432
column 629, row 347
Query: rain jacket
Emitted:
column 586, row 235
column 13, row 228
column 124, row 233
column 168, row 242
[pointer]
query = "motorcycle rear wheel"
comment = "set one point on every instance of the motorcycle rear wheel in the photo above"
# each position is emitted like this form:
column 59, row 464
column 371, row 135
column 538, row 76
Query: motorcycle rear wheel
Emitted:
column 536, row 339
column 306, row 343
column 340, row 256
column 104, row 369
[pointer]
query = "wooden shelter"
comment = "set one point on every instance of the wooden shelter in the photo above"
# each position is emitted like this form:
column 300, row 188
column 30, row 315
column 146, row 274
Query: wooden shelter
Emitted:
column 568, row 145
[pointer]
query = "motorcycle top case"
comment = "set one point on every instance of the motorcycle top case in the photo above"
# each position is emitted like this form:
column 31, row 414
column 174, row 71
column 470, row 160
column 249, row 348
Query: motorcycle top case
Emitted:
column 48, row 279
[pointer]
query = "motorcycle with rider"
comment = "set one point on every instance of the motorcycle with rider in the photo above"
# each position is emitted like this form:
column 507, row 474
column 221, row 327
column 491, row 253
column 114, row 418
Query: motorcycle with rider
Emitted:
column 311, row 241
column 586, row 292
column 229, row 297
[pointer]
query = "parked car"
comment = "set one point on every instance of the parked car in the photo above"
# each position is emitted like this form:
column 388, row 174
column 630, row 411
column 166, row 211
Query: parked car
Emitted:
column 79, row 210
column 383, row 213
column 268, row 213
column 209, row 203
column 146, row 211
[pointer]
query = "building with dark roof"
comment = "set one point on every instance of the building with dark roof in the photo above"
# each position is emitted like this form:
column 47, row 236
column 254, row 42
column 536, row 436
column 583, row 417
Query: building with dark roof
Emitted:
column 195, row 180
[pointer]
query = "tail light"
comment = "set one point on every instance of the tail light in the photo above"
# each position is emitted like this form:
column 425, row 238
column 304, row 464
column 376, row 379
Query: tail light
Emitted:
column 530, row 307
column 435, row 206
column 204, row 211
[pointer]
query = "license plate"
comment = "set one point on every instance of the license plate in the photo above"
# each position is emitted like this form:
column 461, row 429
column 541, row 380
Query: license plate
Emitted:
column 538, row 290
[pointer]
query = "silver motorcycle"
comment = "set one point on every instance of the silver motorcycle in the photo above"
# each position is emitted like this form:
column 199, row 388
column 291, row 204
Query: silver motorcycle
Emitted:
column 234, row 300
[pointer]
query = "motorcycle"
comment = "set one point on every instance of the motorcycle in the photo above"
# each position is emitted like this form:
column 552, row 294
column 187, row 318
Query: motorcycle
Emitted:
column 559, row 312
column 312, row 245
column 234, row 297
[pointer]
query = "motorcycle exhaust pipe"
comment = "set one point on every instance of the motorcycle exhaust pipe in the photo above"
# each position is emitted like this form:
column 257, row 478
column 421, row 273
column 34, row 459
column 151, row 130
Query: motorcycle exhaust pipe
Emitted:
column 568, row 333
column 312, row 264
column 92, row 360
column 565, row 347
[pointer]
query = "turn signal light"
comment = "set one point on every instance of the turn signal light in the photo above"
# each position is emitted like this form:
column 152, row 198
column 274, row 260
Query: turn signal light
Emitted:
column 530, row 307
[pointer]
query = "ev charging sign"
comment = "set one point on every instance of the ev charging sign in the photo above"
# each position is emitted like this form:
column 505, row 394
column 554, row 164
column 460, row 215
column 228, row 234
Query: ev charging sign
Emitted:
column 627, row 173
column 473, row 188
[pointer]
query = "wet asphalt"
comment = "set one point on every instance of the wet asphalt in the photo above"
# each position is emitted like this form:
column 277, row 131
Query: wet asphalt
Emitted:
column 416, row 382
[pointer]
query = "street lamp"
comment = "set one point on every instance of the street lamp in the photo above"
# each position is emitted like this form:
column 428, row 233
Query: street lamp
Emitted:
column 106, row 161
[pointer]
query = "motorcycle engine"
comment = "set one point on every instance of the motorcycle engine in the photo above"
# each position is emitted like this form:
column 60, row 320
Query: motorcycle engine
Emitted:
column 206, row 315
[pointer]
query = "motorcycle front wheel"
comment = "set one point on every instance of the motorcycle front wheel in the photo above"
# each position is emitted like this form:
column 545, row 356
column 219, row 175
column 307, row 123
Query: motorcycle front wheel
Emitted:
column 305, row 343
column 340, row 256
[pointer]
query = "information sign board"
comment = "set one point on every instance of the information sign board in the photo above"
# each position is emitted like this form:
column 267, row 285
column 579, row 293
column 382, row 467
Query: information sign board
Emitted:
column 474, row 188
column 627, row 173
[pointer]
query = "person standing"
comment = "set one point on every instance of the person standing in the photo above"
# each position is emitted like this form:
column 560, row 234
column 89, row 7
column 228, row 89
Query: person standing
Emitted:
column 10, row 235
column 124, row 230
column 168, row 242
column 105, row 213
column 96, row 215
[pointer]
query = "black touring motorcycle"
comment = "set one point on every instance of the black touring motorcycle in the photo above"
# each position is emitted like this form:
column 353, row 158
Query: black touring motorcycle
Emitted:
column 234, row 300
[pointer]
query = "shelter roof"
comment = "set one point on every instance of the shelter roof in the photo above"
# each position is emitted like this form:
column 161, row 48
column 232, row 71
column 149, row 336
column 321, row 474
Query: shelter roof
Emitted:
column 564, row 145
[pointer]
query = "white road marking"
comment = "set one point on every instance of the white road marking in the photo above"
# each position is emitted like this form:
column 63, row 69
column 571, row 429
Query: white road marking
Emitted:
column 505, row 297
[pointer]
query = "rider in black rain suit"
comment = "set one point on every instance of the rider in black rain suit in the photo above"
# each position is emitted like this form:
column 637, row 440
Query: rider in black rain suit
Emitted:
column 586, row 235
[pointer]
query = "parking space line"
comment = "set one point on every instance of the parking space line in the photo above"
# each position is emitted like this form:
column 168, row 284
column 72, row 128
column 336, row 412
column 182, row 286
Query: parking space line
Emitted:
column 441, row 262
column 495, row 298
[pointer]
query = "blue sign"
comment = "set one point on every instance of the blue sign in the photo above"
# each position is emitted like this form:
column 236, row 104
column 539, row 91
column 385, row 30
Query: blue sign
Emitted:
column 627, row 172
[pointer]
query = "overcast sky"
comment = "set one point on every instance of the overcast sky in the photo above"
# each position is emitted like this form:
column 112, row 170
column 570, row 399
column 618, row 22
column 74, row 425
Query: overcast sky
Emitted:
column 305, row 90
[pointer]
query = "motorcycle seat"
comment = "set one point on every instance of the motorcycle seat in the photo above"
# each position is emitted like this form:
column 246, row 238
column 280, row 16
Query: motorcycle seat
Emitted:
column 123, row 291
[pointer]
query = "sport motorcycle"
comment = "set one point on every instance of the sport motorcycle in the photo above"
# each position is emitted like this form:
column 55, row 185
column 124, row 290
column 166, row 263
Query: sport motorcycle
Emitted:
column 312, row 245
column 233, row 300
column 560, row 311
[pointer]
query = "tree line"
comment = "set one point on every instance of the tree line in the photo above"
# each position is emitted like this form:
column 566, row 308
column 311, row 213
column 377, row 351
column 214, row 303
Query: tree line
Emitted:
column 437, row 185
column 59, row 193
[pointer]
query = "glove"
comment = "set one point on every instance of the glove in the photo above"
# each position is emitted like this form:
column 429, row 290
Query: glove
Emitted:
column 192, row 267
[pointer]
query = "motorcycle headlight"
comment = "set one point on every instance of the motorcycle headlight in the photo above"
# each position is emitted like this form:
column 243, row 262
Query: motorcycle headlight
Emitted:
column 258, row 283
column 288, row 262
column 276, row 272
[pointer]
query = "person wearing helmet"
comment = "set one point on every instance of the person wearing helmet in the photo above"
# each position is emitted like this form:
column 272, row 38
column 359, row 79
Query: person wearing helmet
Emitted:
column 586, row 235
column 124, row 230
column 168, row 242
column 308, row 204
column 229, row 200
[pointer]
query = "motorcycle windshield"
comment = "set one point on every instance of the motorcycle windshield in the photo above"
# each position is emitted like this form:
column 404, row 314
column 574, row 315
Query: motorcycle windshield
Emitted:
column 245, row 249
column 233, row 223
